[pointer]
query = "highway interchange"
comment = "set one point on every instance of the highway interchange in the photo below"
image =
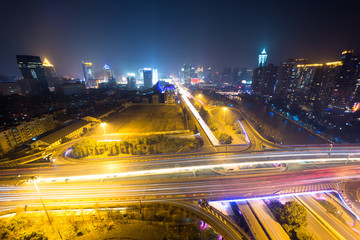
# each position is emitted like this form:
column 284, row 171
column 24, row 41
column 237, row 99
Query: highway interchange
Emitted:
column 182, row 177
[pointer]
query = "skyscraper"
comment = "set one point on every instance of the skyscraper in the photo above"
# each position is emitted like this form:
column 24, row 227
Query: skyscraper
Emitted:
column 155, row 76
column 32, row 70
column 49, row 69
column 131, row 81
column 347, row 88
column 264, row 80
column 226, row 75
column 208, row 77
column 148, row 78
column 108, row 74
column 262, row 58
column 88, row 73
column 186, row 72
column 286, row 76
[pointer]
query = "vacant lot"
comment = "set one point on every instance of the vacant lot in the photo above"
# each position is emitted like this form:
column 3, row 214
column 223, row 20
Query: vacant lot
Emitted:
column 147, row 118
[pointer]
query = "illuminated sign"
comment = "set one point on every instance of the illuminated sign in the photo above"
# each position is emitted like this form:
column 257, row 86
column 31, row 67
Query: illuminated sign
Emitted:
column 195, row 80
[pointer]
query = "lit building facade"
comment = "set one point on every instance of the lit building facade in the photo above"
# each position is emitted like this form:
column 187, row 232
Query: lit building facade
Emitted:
column 155, row 76
column 32, row 70
column 131, row 81
column 346, row 93
column 186, row 74
column 262, row 58
column 148, row 77
column 169, row 92
column 49, row 69
column 89, row 74
column 25, row 131
column 264, row 79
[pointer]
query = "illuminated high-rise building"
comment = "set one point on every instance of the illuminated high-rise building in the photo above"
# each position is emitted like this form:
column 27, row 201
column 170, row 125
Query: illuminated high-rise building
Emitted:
column 208, row 77
column 32, row 71
column 262, row 58
column 148, row 77
column 346, row 92
column 131, row 81
column 88, row 71
column 155, row 76
column 186, row 74
column 264, row 79
column 286, row 77
column 108, row 74
column 49, row 69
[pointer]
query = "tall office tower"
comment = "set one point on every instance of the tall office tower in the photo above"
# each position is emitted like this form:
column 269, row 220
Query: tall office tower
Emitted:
column 155, row 76
column 131, row 81
column 193, row 73
column 235, row 76
column 148, row 78
column 262, row 58
column 49, row 69
column 226, row 75
column 299, row 88
column 208, row 76
column 243, row 75
column 200, row 73
column 108, row 74
column 32, row 71
column 285, row 75
column 264, row 79
column 88, row 71
column 347, row 88
column 322, row 87
column 186, row 72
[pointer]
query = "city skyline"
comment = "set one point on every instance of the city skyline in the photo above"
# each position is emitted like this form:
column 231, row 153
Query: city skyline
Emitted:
column 166, row 35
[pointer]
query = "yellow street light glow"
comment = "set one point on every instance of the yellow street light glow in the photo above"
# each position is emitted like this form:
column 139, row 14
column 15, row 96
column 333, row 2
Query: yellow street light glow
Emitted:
column 103, row 125
column 337, row 63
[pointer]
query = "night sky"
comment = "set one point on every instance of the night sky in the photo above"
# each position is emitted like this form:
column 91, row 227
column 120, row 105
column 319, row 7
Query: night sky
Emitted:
column 128, row 35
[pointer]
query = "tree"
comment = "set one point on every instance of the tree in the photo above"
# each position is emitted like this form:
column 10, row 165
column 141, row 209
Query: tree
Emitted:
column 294, row 214
column 214, row 127
column 225, row 139
column 204, row 114
column 33, row 236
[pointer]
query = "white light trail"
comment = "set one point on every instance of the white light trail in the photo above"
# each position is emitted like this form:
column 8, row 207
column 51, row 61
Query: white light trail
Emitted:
column 187, row 169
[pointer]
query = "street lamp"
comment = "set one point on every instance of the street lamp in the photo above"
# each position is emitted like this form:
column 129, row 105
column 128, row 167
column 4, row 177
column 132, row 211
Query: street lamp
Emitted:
column 103, row 125
column 34, row 179
column 225, row 108
column 331, row 147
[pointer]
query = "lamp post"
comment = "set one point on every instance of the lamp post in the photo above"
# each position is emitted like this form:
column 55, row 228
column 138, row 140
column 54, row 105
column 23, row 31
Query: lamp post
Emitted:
column 224, row 109
column 34, row 179
column 103, row 125
column 331, row 146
